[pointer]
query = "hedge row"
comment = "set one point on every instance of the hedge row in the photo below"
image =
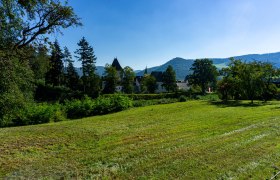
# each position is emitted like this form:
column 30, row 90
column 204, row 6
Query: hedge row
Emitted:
column 153, row 96
column 43, row 113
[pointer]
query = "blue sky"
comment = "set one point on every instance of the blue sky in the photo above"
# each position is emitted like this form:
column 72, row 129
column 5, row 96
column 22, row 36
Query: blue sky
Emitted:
column 144, row 33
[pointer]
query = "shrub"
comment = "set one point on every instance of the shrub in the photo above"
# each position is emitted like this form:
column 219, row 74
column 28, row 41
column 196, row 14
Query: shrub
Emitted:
column 101, row 105
column 79, row 108
column 38, row 114
column 182, row 98
column 113, row 103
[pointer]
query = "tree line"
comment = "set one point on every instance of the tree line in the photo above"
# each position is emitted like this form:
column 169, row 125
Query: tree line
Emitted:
column 240, row 80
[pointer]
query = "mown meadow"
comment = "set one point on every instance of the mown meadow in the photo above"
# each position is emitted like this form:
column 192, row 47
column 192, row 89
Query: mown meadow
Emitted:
column 186, row 140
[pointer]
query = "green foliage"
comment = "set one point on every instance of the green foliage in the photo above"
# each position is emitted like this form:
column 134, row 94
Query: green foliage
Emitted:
column 117, row 102
column 22, row 22
column 169, row 79
column 79, row 108
column 209, row 97
column 111, row 78
column 149, row 84
column 142, row 103
column 128, row 80
column 40, row 63
column 182, row 98
column 91, row 81
column 38, row 114
column 101, row 105
column 49, row 93
column 55, row 74
column 16, row 88
column 204, row 74
column 72, row 79
column 251, row 81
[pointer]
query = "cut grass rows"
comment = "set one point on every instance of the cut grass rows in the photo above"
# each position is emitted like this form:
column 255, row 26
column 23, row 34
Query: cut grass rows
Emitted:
column 182, row 140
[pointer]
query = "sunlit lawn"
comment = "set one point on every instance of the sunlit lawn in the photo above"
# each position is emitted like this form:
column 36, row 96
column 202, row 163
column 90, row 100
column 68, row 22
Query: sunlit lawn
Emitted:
column 191, row 140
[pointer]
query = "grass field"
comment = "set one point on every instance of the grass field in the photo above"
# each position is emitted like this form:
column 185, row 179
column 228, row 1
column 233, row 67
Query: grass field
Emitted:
column 191, row 140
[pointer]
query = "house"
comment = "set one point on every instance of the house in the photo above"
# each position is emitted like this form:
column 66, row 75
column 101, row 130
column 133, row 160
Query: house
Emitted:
column 183, row 85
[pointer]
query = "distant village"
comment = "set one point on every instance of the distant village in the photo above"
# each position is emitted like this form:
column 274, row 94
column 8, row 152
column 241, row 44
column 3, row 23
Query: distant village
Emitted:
column 158, row 75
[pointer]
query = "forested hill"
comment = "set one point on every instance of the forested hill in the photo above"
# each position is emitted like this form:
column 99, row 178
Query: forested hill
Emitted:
column 182, row 66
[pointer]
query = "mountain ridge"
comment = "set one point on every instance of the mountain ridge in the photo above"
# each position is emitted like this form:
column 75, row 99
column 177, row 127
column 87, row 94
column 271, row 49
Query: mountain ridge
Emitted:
column 182, row 66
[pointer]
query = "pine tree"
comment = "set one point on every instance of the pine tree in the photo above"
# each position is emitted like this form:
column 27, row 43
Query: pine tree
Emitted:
column 67, row 58
column 55, row 74
column 71, row 76
column 85, row 54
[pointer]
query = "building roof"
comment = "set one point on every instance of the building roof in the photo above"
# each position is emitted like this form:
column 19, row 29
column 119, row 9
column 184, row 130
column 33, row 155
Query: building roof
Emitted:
column 117, row 65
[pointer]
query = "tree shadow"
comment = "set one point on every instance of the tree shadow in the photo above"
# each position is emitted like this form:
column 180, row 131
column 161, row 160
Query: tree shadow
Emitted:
column 224, row 104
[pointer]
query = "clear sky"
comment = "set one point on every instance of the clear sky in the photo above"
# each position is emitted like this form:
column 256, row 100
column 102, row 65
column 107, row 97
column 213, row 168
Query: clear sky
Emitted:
column 144, row 33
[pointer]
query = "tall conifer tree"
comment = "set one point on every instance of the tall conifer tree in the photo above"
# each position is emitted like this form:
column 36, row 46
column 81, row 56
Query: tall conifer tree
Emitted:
column 85, row 54
column 71, row 76
column 55, row 74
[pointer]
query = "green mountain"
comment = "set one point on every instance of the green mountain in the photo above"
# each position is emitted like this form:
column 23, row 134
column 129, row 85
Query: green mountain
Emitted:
column 182, row 66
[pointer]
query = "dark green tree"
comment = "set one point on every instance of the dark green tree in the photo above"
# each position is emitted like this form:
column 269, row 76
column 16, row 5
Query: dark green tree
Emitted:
column 67, row 57
column 252, row 80
column 149, row 84
column 204, row 74
column 269, row 73
column 23, row 27
column 40, row 63
column 111, row 78
column 55, row 74
column 169, row 79
column 128, row 80
column 85, row 54
column 71, row 77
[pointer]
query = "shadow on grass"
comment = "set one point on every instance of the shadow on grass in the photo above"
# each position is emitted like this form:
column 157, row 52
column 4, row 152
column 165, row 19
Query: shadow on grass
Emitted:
column 223, row 104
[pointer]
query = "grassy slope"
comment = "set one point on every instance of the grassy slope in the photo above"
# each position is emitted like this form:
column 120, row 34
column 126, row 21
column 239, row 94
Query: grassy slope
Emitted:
column 186, row 140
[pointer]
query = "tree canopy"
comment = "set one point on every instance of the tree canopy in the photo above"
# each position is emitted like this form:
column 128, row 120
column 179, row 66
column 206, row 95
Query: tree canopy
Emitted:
column 169, row 79
column 26, row 22
column 204, row 74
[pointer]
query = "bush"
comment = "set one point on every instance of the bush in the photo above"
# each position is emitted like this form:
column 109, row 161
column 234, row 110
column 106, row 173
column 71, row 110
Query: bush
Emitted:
column 182, row 98
column 49, row 93
column 114, row 103
column 142, row 103
column 79, row 108
column 101, row 105
column 38, row 114
column 209, row 97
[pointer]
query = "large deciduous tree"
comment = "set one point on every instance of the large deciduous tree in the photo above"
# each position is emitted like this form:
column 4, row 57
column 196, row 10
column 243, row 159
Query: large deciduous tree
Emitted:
column 252, row 80
column 149, row 84
column 128, row 80
column 24, row 25
column 204, row 74
column 25, row 22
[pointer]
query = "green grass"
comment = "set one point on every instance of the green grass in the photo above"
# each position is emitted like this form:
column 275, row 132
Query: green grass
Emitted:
column 190, row 140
